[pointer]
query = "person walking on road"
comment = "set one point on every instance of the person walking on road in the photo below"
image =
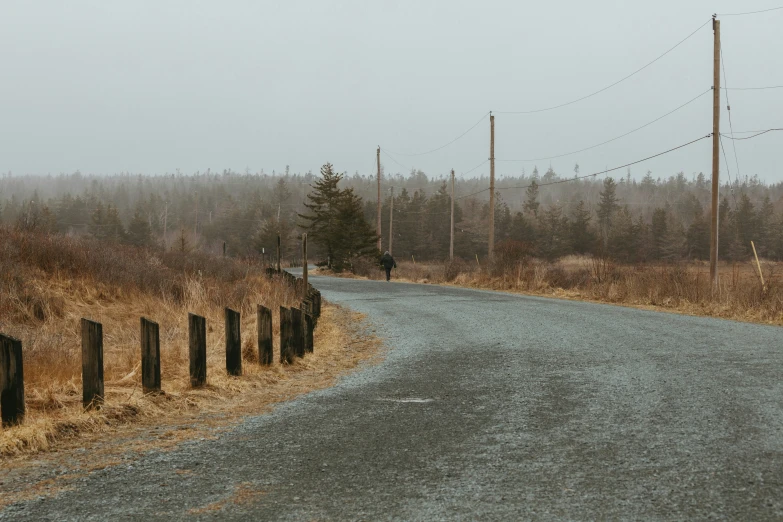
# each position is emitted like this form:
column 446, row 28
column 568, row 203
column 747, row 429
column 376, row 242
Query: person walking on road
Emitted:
column 388, row 263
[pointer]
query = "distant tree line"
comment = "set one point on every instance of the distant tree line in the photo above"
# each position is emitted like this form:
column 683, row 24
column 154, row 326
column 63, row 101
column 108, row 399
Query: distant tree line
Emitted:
column 547, row 216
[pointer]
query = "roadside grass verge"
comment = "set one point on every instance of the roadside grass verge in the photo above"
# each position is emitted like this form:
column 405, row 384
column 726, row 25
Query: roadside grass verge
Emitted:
column 47, row 283
column 682, row 287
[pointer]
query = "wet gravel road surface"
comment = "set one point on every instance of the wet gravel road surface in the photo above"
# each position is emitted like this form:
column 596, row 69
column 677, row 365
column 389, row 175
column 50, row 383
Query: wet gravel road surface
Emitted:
column 489, row 406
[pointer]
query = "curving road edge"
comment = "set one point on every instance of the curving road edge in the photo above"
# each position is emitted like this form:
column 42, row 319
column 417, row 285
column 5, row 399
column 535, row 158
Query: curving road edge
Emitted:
column 489, row 406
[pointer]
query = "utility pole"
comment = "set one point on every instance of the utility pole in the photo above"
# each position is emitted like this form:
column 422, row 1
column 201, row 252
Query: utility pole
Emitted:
column 491, row 186
column 451, row 239
column 715, row 156
column 378, row 227
column 391, row 221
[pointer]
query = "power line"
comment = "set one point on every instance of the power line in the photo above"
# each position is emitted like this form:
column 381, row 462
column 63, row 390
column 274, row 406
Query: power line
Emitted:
column 442, row 146
column 750, row 131
column 474, row 168
column 395, row 161
column 605, row 171
column 728, row 173
column 752, row 88
column 613, row 84
column 759, row 133
column 613, row 139
column 751, row 12
column 731, row 126
column 472, row 194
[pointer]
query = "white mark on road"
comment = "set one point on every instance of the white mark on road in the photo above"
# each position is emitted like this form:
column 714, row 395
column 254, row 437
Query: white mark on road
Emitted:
column 408, row 400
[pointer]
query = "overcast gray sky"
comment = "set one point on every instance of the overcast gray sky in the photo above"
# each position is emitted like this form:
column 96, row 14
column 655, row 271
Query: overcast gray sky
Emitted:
column 153, row 86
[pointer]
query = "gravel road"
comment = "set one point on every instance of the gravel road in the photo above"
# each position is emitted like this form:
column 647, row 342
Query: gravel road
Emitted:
column 488, row 406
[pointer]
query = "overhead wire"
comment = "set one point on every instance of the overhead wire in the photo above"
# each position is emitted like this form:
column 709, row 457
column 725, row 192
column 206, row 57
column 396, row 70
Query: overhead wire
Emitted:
column 758, row 133
column 752, row 88
column 728, row 173
column 613, row 139
column 604, row 171
column 474, row 168
column 751, row 12
column 442, row 146
column 395, row 161
column 731, row 126
column 637, row 71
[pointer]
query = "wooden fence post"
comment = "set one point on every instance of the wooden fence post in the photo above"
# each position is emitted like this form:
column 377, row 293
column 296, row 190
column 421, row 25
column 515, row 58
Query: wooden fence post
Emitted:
column 197, row 328
column 309, row 325
column 233, row 343
column 286, row 336
column 150, row 356
column 264, row 322
column 297, row 332
column 92, row 364
column 11, row 381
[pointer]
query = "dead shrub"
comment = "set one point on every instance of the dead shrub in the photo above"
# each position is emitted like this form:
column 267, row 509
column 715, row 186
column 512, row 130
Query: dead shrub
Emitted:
column 453, row 268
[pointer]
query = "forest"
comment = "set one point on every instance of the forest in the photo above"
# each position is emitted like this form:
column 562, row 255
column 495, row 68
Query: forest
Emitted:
column 546, row 216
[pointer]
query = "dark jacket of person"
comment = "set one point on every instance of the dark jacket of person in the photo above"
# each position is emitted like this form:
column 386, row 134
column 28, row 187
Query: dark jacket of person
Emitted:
column 388, row 261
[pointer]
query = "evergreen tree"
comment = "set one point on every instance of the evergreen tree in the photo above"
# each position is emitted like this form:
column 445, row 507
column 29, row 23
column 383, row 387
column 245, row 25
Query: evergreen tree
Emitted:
column 607, row 207
column 322, row 222
column 139, row 232
column 747, row 224
column 502, row 219
column 553, row 238
column 337, row 221
column 357, row 238
column 675, row 245
column 658, row 232
column 698, row 238
column 531, row 203
column 766, row 225
column 582, row 237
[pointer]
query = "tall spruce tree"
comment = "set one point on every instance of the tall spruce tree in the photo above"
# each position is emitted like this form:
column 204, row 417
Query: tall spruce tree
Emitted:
column 531, row 203
column 582, row 237
column 607, row 206
column 336, row 221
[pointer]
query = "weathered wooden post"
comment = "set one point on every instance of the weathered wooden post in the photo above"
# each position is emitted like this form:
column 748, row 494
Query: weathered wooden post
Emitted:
column 297, row 332
column 92, row 364
column 233, row 343
column 264, row 322
column 317, row 305
column 309, row 326
column 197, row 329
column 286, row 337
column 11, row 381
column 304, row 263
column 150, row 356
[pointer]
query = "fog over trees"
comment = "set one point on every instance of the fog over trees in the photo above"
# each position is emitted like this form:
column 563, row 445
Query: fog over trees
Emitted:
column 549, row 215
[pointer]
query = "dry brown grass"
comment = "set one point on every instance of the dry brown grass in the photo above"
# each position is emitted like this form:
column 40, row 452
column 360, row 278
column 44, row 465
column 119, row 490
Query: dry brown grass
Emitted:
column 47, row 283
column 682, row 287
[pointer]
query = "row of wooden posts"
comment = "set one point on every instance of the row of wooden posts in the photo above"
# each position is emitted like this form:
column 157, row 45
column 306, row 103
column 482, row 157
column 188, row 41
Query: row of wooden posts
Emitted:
column 296, row 338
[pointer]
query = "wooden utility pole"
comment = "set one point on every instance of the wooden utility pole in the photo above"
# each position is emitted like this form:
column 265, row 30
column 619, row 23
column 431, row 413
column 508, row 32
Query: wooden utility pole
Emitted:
column 491, row 186
column 715, row 157
column 451, row 240
column 378, row 228
column 391, row 221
